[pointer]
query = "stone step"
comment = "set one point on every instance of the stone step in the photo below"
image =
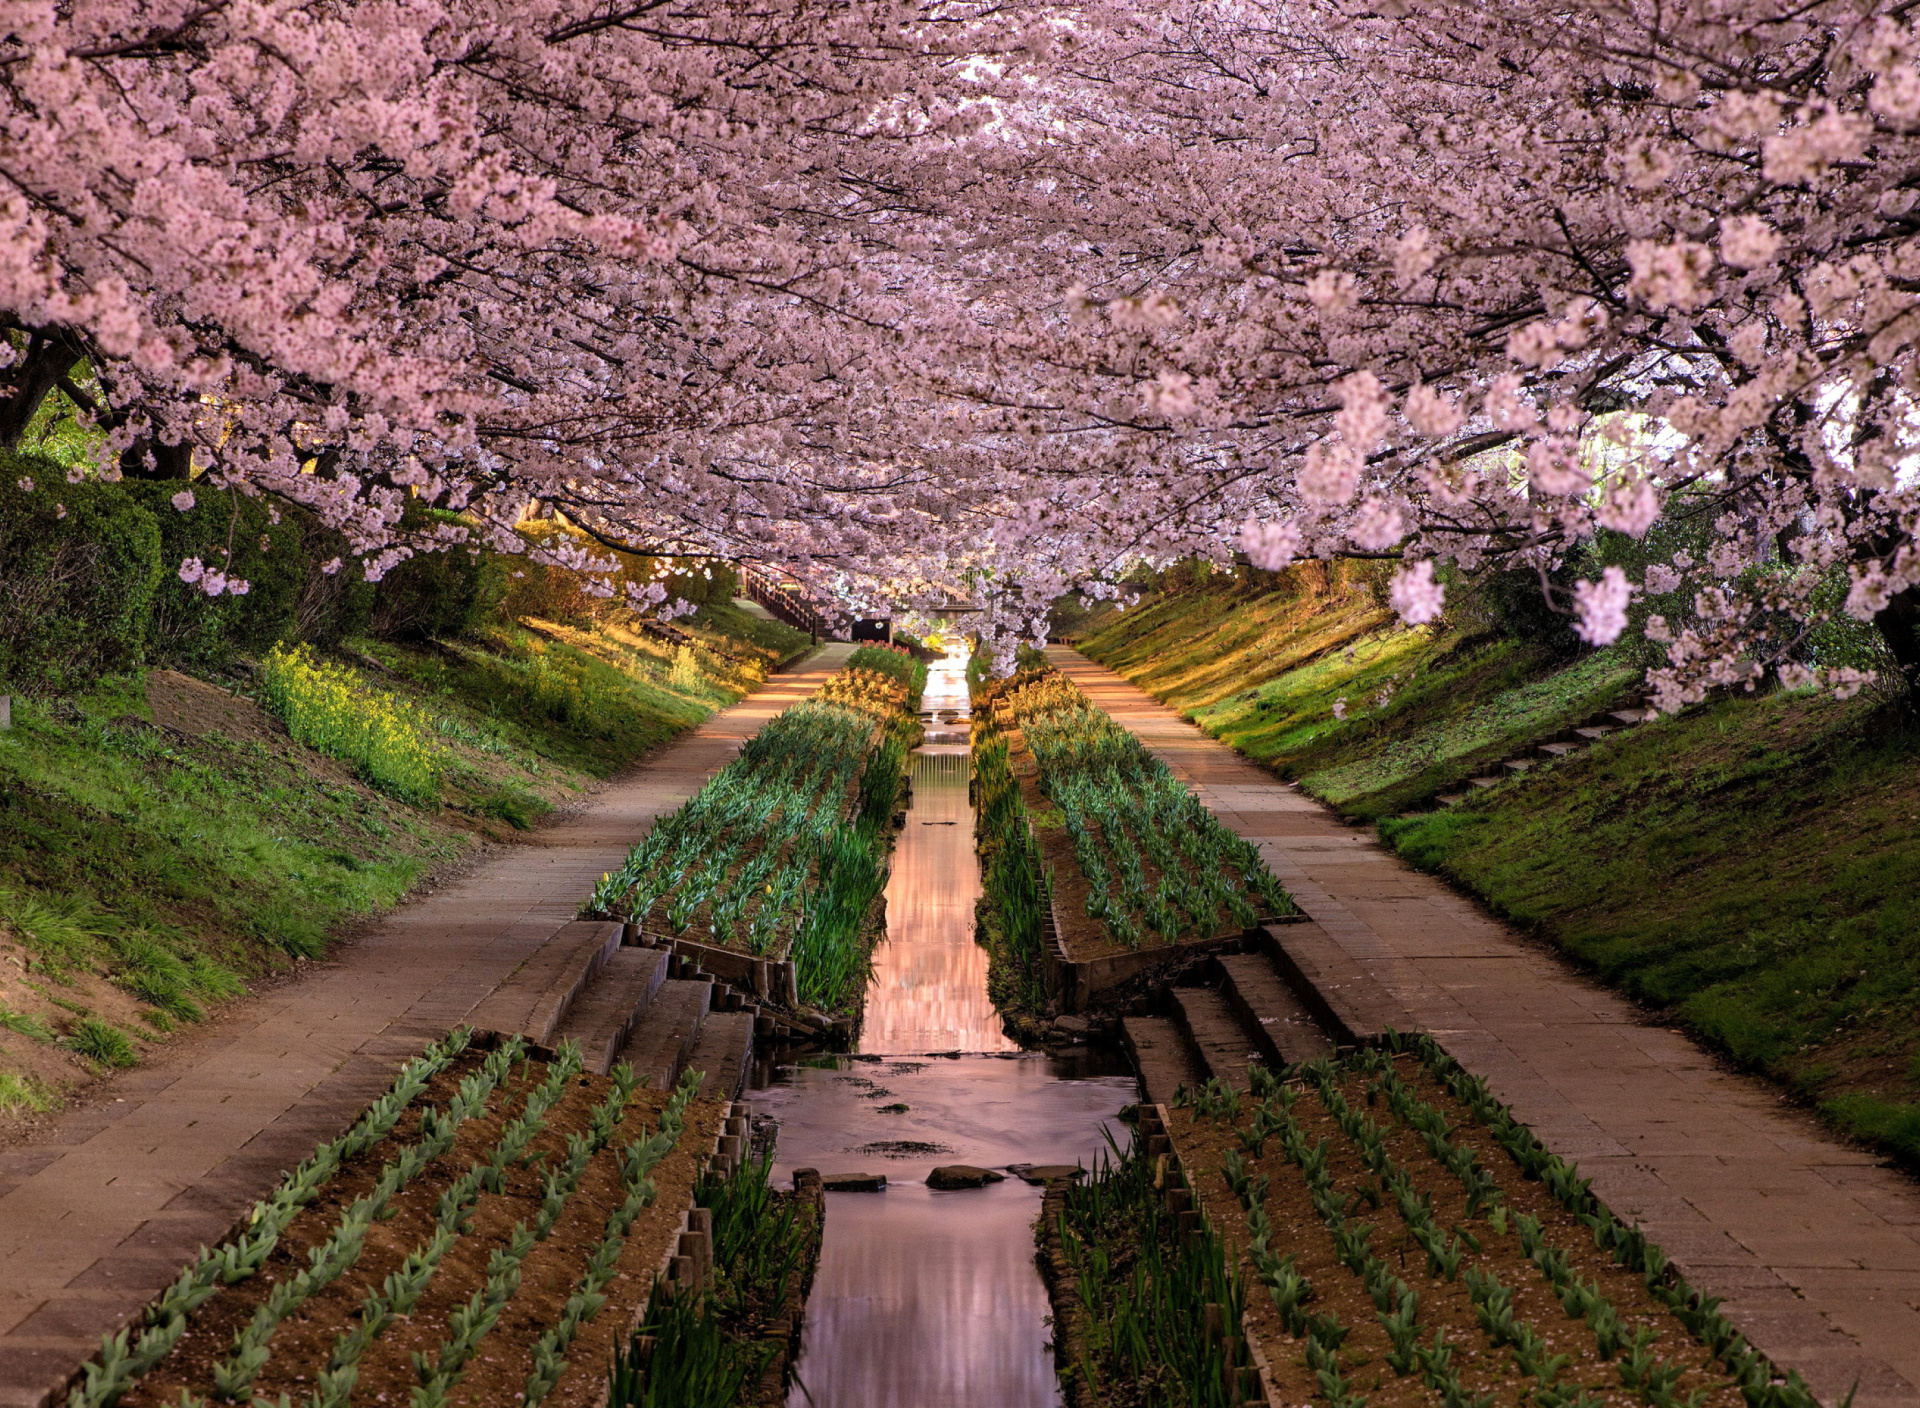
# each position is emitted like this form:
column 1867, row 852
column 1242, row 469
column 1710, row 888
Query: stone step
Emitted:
column 666, row 1031
column 603, row 1016
column 1342, row 997
column 1593, row 733
column 1484, row 781
column 1215, row 1031
column 723, row 1054
column 534, row 999
column 1629, row 716
column 1559, row 750
column 1162, row 1056
column 1451, row 799
column 1282, row 1029
column 1518, row 764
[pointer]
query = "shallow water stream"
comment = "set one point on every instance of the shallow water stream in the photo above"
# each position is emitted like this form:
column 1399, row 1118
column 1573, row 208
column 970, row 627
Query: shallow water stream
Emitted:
column 931, row 1299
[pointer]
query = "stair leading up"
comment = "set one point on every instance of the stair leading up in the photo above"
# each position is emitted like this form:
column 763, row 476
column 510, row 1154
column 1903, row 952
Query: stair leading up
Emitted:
column 604, row 1015
column 536, row 997
column 1224, row 1044
column 723, row 1054
column 1282, row 1029
column 1162, row 1056
column 659, row 1045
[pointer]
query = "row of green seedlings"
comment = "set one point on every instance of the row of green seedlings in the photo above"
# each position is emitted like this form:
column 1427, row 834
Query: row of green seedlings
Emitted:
column 897, row 661
column 1157, row 1304
column 711, row 1348
column 1759, row 1381
column 783, row 851
column 1156, row 860
column 1011, row 878
column 438, row 1373
column 1397, row 1305
column 125, row 1358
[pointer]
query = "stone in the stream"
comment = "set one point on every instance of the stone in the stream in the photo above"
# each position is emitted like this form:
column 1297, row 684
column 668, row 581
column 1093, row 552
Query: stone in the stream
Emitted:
column 854, row 1182
column 1072, row 1025
column 951, row 1176
column 1045, row 1173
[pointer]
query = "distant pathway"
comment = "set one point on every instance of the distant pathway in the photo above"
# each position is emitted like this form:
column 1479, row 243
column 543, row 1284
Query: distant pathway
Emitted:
column 97, row 1220
column 1815, row 1246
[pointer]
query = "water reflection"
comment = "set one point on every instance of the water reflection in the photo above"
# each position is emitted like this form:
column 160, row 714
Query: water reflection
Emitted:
column 927, row 1299
column 930, row 1299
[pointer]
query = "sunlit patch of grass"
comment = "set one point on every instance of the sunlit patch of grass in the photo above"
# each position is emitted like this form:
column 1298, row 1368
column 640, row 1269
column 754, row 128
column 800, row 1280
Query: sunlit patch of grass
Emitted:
column 518, row 808
column 327, row 706
column 27, row 1025
column 63, row 935
column 19, row 1093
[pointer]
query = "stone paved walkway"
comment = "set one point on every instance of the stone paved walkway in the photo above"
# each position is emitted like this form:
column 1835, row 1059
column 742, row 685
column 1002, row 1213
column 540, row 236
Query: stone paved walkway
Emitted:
column 1814, row 1245
column 97, row 1220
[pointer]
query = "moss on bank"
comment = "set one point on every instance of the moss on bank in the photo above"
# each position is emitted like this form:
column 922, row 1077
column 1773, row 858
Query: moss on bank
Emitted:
column 1750, row 867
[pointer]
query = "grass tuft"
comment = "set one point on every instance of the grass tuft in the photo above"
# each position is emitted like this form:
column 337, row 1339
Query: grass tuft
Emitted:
column 19, row 1093
column 103, row 1042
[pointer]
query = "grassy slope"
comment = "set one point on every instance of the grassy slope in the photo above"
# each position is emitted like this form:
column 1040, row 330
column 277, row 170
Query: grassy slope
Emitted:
column 1750, row 866
column 128, row 850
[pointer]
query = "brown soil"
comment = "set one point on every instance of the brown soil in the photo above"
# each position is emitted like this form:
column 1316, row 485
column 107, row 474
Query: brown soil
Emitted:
column 549, row 1275
column 1299, row 1230
column 191, row 706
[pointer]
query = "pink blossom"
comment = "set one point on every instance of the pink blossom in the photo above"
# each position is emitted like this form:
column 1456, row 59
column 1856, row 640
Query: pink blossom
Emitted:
column 26, row 484
column 1747, row 242
column 192, row 570
column 238, row 586
column 1270, row 546
column 1330, row 474
column 213, row 581
column 1362, row 420
column 1432, row 413
column 1670, row 275
column 1413, row 255
column 1333, row 291
column 1340, row 707
column 1553, row 470
column 1415, row 595
column 1630, row 507
column 182, row 500
column 59, row 510
column 330, row 566
column 1600, row 608
column 1662, row 579
column 1170, row 395
column 1377, row 526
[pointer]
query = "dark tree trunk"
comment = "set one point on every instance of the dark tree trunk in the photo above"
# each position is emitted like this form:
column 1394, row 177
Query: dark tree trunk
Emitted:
column 48, row 358
column 1899, row 626
column 169, row 461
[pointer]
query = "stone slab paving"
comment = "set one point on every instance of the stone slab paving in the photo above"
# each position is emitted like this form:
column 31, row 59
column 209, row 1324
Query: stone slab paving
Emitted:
column 1814, row 1245
column 99, row 1217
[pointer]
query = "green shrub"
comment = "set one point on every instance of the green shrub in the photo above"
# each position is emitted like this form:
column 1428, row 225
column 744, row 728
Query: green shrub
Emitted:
column 437, row 595
column 103, row 1042
column 79, row 565
column 329, row 707
column 239, row 537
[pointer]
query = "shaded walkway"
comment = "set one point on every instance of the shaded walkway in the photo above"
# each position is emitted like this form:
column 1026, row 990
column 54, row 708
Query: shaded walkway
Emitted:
column 1814, row 1245
column 100, row 1218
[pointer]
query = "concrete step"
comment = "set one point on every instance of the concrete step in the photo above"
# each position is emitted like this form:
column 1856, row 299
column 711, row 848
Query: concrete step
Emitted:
column 1214, row 1030
column 723, row 1053
column 1342, row 997
column 1282, row 1029
column 1559, row 750
column 1518, row 764
column 1162, row 1056
column 603, row 1016
column 1629, row 716
column 666, row 1031
column 1593, row 733
column 1484, row 781
column 535, row 998
column 1451, row 799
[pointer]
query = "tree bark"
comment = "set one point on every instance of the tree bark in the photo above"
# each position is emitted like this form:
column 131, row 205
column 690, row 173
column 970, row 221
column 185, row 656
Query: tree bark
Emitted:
column 48, row 358
column 1899, row 626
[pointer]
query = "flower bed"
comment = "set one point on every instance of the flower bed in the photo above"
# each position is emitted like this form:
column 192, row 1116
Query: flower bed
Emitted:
column 782, row 854
column 1405, row 1241
column 1136, row 860
column 484, row 1234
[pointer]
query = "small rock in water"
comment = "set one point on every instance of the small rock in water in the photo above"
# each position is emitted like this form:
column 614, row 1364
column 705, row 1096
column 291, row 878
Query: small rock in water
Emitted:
column 1073, row 1024
column 854, row 1182
column 1045, row 1173
column 951, row 1176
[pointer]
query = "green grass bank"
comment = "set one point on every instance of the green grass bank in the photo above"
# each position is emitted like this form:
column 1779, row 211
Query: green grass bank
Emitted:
column 170, row 836
column 1748, row 868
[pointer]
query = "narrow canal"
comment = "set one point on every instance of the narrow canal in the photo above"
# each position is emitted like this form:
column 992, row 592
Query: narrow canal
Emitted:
column 925, row 1298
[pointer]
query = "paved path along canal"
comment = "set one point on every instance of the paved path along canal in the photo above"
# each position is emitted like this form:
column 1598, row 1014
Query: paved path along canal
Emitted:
column 1814, row 1245
column 98, row 1219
